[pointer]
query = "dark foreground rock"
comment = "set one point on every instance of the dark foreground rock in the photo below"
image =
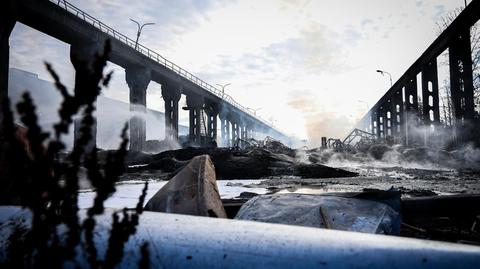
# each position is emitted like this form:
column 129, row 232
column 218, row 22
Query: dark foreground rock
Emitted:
column 193, row 191
column 241, row 164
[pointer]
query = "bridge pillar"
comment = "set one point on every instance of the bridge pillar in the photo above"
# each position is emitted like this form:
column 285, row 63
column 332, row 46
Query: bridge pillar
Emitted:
column 171, row 96
column 243, row 134
column 430, row 108
column 212, row 113
column 6, row 27
column 461, row 85
column 249, row 130
column 430, row 98
column 82, row 57
column 388, row 118
column 380, row 120
column 411, row 112
column 397, row 115
column 374, row 122
column 235, row 132
column 225, row 129
column 194, row 104
column 137, row 79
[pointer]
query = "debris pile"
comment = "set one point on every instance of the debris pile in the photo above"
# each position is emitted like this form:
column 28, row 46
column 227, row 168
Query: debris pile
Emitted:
column 235, row 163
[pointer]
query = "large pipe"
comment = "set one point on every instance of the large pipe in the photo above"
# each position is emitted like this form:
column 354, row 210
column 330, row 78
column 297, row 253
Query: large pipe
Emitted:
column 181, row 241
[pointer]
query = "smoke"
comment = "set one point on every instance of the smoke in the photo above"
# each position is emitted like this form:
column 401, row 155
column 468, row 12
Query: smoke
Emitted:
column 465, row 158
column 318, row 121
column 111, row 114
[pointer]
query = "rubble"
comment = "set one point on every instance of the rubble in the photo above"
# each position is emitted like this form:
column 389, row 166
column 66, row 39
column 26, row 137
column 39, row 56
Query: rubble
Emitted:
column 243, row 164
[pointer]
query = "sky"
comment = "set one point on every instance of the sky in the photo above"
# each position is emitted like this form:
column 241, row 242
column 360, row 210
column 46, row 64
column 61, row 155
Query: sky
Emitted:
column 307, row 66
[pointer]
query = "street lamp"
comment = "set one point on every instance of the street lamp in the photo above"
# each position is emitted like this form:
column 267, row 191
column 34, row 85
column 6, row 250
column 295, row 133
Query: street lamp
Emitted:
column 223, row 88
column 385, row 72
column 139, row 31
column 254, row 110
column 365, row 102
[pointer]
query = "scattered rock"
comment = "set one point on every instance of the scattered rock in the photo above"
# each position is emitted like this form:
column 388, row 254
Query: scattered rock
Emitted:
column 246, row 195
column 377, row 151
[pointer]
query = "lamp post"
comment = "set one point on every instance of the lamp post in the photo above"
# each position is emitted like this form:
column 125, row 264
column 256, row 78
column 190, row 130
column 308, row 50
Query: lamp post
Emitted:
column 365, row 102
column 223, row 88
column 385, row 72
column 139, row 31
column 254, row 110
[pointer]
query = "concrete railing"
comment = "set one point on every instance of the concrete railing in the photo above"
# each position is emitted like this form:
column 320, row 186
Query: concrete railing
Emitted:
column 155, row 57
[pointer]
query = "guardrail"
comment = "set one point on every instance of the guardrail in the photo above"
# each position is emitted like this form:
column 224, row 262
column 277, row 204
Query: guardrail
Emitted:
column 154, row 56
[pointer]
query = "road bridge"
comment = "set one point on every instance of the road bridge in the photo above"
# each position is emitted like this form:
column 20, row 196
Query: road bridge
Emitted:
column 398, row 113
column 87, row 35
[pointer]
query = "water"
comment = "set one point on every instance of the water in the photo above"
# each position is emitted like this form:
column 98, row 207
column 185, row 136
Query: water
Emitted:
column 128, row 192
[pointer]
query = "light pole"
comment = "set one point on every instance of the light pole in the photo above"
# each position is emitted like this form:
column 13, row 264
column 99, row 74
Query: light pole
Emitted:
column 254, row 110
column 385, row 72
column 139, row 31
column 366, row 103
column 223, row 88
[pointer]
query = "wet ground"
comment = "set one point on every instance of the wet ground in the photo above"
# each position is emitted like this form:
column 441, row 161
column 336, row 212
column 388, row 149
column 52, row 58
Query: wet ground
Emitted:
column 128, row 192
column 412, row 182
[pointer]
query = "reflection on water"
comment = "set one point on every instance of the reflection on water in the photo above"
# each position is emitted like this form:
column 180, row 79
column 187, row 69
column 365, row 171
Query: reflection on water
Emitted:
column 128, row 192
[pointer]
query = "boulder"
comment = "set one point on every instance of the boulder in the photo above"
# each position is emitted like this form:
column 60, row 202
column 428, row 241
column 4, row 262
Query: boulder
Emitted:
column 192, row 191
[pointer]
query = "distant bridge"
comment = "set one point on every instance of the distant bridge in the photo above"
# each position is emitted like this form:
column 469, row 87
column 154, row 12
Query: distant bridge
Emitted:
column 87, row 35
column 398, row 114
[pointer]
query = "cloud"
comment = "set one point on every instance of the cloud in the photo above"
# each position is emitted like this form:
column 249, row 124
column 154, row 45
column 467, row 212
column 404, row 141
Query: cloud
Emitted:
column 318, row 121
column 311, row 52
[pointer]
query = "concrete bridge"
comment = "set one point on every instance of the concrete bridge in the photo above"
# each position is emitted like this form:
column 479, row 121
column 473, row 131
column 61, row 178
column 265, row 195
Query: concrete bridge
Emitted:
column 87, row 35
column 398, row 114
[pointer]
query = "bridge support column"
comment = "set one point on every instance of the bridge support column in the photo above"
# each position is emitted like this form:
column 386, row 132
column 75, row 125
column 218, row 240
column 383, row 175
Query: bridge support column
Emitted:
column 431, row 110
column 249, row 130
column 411, row 112
column 137, row 79
column 82, row 57
column 374, row 122
column 243, row 134
column 379, row 119
column 212, row 114
column 461, row 85
column 235, row 132
column 194, row 104
column 397, row 115
column 171, row 96
column 225, row 130
column 388, row 118
column 430, row 98
column 6, row 27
